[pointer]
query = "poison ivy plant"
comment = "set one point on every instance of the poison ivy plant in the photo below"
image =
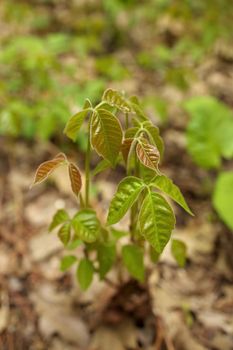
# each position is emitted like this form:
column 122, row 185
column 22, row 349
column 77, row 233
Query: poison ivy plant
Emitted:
column 119, row 131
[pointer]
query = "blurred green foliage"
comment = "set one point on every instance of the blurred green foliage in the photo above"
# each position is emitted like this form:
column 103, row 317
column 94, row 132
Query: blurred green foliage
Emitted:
column 210, row 138
column 223, row 197
column 210, row 131
column 54, row 53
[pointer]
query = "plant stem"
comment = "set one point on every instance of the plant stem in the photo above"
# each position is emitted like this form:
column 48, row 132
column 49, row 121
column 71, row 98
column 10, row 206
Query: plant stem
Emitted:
column 126, row 120
column 100, row 104
column 87, row 169
column 134, row 209
column 82, row 204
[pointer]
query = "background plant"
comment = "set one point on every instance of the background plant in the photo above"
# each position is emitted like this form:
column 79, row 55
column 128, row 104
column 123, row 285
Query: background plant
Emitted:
column 209, row 141
column 140, row 148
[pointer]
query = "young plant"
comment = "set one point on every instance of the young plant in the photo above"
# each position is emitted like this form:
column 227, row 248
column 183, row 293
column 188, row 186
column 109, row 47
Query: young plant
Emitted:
column 140, row 149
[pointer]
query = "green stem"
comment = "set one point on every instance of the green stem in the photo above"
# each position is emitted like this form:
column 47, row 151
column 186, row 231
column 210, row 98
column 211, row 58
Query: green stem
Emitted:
column 134, row 209
column 82, row 204
column 126, row 121
column 87, row 169
column 100, row 104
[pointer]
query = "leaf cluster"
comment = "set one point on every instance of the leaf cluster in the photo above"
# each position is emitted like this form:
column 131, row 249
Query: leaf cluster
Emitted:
column 119, row 131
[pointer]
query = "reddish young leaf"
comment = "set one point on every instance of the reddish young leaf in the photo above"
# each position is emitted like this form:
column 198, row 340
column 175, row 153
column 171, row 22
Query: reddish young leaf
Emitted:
column 46, row 168
column 125, row 148
column 106, row 135
column 75, row 178
column 148, row 154
column 116, row 99
column 74, row 124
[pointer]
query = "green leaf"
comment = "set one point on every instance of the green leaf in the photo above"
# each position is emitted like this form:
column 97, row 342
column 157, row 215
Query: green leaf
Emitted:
column 85, row 273
column 59, row 217
column 87, row 104
column 106, row 255
column 179, row 249
column 131, row 132
column 156, row 220
column 67, row 261
column 86, row 225
column 127, row 193
column 148, row 154
column 167, row 186
column 139, row 111
column 101, row 166
column 75, row 243
column 223, row 197
column 153, row 133
column 154, row 255
column 118, row 234
column 134, row 99
column 116, row 99
column 64, row 233
column 106, row 135
column 75, row 122
column 209, row 133
column 132, row 256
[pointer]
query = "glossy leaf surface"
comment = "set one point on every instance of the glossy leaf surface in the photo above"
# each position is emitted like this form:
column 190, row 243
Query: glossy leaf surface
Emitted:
column 74, row 123
column 46, row 168
column 86, row 225
column 132, row 256
column 167, row 186
column 148, row 154
column 59, row 217
column 75, row 178
column 156, row 220
column 127, row 193
column 106, row 135
column 179, row 249
column 116, row 99
column 85, row 273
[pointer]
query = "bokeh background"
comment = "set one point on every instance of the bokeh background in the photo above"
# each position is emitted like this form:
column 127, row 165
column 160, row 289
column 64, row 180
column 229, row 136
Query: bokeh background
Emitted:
column 177, row 56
